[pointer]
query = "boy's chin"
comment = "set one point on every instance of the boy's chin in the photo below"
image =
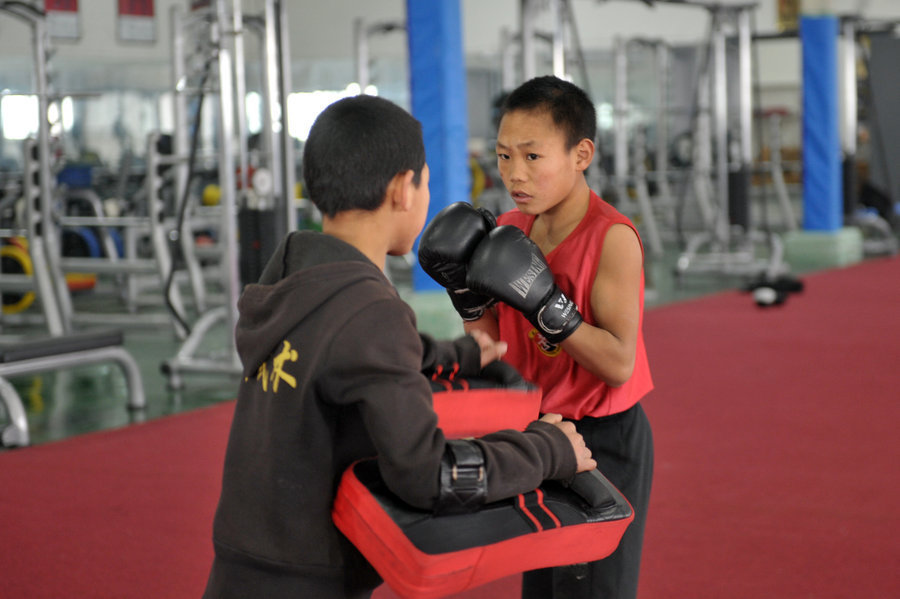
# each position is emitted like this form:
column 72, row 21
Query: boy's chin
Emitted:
column 527, row 207
column 400, row 252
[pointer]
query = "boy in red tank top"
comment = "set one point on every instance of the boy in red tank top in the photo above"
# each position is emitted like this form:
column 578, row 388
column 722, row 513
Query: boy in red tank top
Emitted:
column 570, row 284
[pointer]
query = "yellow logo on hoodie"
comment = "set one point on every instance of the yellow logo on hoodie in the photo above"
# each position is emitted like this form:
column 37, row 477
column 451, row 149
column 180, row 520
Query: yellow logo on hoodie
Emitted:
column 278, row 374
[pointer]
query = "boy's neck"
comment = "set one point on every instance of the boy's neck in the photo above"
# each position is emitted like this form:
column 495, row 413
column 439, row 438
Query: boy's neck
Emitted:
column 553, row 226
column 361, row 229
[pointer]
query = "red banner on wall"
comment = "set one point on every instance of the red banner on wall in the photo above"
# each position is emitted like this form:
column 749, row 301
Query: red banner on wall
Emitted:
column 136, row 8
column 136, row 21
column 63, row 5
column 62, row 19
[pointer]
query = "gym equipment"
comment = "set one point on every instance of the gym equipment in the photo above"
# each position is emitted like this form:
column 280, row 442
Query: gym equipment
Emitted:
column 624, row 174
column 220, row 29
column 858, row 107
column 80, row 242
column 874, row 43
column 14, row 259
column 564, row 34
column 498, row 398
column 730, row 239
column 774, row 117
column 93, row 244
column 47, row 281
column 768, row 292
column 43, row 194
column 73, row 350
column 362, row 31
column 211, row 195
column 424, row 556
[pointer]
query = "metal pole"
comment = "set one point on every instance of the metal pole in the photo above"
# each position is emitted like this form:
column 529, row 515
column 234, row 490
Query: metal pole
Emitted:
column 227, row 183
column 662, row 119
column 361, row 52
column 745, row 55
column 740, row 175
column 508, row 59
column 51, row 242
column 620, row 112
column 286, row 158
column 274, row 109
column 559, row 39
column 720, row 117
column 848, row 86
column 526, row 29
column 236, row 33
column 180, row 145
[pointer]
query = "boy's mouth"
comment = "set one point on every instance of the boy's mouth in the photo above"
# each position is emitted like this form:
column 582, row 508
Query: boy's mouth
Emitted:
column 519, row 196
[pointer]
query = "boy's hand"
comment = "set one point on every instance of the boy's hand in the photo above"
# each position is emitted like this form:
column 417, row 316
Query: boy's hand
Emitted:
column 509, row 266
column 445, row 248
column 490, row 350
column 584, row 461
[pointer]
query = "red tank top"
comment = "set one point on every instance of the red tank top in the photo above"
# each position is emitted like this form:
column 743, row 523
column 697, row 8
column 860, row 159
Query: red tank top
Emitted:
column 569, row 389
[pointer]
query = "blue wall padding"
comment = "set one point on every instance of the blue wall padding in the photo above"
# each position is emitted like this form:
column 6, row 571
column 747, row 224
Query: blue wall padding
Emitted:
column 822, row 177
column 438, row 97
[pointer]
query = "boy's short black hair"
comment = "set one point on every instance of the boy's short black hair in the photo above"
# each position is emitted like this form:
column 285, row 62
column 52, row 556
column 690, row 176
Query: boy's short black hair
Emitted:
column 568, row 105
column 355, row 147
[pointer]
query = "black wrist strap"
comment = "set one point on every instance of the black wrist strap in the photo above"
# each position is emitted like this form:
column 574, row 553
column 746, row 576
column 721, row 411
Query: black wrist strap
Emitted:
column 463, row 484
column 557, row 318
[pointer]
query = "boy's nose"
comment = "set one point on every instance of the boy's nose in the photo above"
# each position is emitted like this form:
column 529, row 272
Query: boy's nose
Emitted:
column 515, row 170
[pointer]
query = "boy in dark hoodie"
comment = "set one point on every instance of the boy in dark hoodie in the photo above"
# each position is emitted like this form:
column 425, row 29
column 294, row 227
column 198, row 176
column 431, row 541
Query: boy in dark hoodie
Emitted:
column 333, row 372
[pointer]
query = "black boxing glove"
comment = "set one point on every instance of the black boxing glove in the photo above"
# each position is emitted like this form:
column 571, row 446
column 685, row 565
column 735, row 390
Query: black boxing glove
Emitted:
column 509, row 266
column 445, row 248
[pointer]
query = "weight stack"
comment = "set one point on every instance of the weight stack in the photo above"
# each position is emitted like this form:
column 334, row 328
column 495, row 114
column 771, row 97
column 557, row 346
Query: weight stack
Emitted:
column 851, row 201
column 257, row 241
column 739, row 197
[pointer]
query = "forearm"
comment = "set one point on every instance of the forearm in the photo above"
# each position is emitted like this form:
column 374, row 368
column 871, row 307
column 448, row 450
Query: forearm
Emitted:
column 604, row 355
column 487, row 323
column 462, row 355
column 518, row 462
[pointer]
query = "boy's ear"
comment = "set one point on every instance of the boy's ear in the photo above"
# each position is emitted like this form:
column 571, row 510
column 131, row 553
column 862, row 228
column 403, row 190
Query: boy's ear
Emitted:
column 584, row 153
column 399, row 191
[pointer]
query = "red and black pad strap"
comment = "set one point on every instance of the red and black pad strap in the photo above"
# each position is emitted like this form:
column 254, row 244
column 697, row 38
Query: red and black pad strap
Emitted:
column 533, row 509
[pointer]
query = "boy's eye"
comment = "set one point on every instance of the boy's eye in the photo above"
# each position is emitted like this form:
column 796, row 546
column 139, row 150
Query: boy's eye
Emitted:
column 532, row 156
column 502, row 156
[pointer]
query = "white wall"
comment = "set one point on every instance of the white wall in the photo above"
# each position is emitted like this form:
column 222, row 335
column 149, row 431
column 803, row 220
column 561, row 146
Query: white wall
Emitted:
column 321, row 41
column 323, row 29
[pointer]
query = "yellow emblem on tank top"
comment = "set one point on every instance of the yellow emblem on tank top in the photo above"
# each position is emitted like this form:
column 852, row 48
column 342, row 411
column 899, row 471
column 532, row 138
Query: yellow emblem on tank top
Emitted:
column 287, row 354
column 548, row 349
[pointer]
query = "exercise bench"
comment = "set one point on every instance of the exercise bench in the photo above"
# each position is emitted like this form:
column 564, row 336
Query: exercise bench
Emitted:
column 53, row 353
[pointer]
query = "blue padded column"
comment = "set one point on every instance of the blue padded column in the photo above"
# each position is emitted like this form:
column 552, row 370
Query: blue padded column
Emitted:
column 822, row 177
column 438, row 97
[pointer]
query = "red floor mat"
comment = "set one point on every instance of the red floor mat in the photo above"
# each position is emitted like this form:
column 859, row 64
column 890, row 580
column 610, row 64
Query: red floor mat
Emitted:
column 117, row 514
column 776, row 443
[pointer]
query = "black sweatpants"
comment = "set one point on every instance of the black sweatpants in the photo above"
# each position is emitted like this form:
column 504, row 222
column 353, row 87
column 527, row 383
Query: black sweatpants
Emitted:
column 622, row 444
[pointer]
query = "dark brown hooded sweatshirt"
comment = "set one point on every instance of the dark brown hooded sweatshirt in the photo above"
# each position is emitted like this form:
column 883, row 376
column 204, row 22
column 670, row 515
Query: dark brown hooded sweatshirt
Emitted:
column 333, row 372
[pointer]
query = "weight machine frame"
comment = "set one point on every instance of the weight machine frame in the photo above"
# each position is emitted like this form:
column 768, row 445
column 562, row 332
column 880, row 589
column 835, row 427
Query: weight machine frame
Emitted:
column 48, row 282
column 731, row 249
column 226, row 31
column 563, row 22
column 623, row 173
